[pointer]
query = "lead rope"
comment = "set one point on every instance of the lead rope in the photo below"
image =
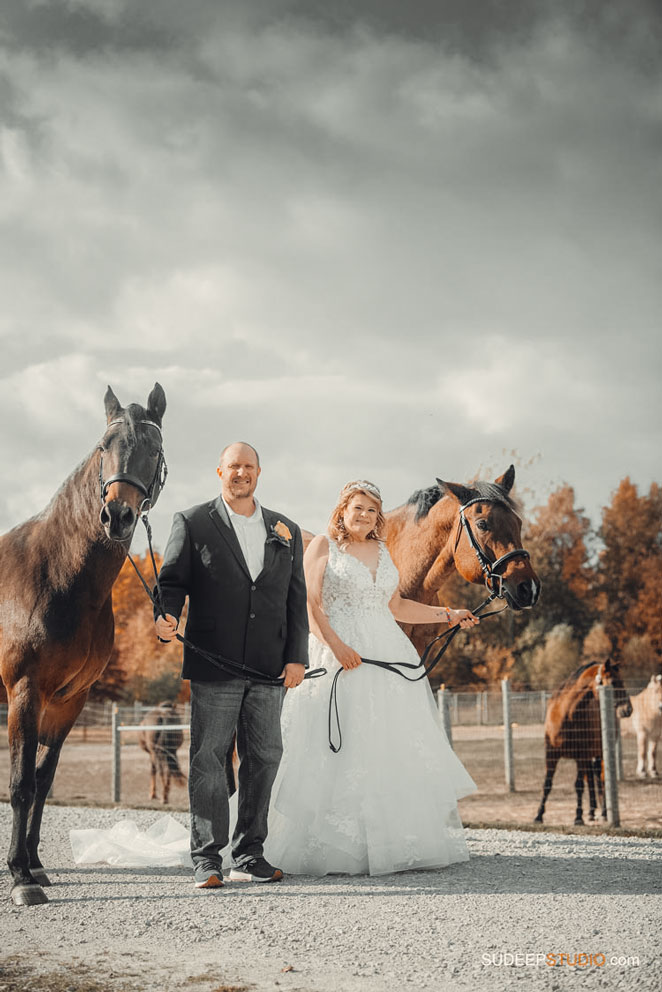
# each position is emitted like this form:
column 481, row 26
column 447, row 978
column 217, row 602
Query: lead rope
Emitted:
column 396, row 669
column 217, row 660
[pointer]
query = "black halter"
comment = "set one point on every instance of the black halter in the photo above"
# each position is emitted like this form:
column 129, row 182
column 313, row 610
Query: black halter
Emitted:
column 151, row 492
column 493, row 578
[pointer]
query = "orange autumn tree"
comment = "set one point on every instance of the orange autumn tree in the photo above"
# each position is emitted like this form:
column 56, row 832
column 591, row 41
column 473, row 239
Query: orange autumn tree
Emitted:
column 151, row 669
column 629, row 586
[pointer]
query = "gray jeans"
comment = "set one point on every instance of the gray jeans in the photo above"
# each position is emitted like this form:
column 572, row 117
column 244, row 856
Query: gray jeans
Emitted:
column 217, row 710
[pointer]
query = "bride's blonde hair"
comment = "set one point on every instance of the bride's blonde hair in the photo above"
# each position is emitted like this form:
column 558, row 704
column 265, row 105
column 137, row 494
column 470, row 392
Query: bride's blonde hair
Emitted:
column 337, row 529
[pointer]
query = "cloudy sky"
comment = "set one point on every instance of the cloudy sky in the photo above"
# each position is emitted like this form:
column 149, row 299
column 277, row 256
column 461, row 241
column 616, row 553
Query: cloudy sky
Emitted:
column 378, row 240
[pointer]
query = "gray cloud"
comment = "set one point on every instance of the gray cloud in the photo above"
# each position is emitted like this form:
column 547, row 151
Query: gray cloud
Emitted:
column 367, row 244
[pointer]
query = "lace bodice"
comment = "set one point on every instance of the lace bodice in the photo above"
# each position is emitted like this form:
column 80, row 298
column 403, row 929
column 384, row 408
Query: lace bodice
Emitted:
column 349, row 590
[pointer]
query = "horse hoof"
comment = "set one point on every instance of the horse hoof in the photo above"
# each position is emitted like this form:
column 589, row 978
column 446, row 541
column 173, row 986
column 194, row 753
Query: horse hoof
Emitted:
column 28, row 895
column 538, row 819
column 40, row 876
column 579, row 822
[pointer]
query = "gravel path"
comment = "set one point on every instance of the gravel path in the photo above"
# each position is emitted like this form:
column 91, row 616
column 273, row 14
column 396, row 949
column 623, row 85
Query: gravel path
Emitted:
column 520, row 894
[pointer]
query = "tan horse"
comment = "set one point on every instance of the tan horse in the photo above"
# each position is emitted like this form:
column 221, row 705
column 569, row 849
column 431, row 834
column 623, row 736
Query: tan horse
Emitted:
column 646, row 724
column 161, row 746
column 427, row 540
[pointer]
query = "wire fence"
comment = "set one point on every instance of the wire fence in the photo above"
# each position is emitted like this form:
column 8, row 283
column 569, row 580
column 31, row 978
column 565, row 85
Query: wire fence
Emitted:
column 499, row 735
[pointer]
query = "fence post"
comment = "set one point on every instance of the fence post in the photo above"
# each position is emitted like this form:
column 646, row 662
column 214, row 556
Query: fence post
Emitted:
column 608, row 725
column 543, row 700
column 619, row 752
column 443, row 703
column 116, row 739
column 507, row 736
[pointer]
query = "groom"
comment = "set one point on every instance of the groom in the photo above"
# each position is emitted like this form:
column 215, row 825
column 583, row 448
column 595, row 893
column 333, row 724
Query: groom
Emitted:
column 241, row 566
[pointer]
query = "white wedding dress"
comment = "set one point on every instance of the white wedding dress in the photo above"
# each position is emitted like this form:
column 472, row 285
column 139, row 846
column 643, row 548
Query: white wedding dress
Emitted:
column 387, row 801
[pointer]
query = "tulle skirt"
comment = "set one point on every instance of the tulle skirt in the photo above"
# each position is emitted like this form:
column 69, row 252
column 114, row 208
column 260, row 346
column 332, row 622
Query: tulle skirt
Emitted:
column 388, row 800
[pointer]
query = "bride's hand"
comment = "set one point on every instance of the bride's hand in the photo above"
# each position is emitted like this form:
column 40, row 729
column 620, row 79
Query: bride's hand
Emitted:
column 347, row 657
column 464, row 618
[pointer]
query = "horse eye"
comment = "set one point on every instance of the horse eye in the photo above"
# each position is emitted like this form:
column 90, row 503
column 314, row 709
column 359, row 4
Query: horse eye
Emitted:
column 482, row 525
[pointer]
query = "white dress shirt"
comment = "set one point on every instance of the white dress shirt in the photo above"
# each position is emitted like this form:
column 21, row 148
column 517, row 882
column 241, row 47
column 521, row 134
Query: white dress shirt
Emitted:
column 251, row 534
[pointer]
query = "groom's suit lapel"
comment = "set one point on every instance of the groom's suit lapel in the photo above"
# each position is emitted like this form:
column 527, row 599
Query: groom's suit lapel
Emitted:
column 270, row 546
column 219, row 516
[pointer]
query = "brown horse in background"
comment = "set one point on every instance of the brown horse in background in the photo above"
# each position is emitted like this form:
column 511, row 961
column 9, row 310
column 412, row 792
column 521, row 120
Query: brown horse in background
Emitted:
column 56, row 616
column 431, row 535
column 572, row 730
column 161, row 746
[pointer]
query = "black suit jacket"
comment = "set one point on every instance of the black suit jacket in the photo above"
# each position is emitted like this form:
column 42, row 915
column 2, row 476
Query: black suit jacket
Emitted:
column 261, row 623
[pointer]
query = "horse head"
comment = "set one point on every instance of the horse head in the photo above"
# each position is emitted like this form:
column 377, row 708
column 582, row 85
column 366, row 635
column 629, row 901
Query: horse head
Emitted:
column 487, row 540
column 132, row 467
column 608, row 674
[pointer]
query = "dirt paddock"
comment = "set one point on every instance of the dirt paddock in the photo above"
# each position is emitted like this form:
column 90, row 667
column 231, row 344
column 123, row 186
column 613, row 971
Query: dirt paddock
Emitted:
column 84, row 776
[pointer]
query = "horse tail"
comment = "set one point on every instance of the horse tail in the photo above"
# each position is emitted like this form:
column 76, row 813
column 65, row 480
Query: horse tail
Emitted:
column 170, row 755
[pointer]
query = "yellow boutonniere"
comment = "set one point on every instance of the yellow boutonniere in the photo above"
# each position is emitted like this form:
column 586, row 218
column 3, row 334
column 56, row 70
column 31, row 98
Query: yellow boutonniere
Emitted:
column 282, row 530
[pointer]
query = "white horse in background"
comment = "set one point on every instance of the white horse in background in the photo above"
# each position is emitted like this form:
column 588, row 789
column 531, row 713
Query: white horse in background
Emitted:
column 646, row 724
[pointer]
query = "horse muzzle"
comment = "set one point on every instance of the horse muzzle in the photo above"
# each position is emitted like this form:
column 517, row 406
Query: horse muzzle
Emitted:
column 624, row 710
column 522, row 595
column 118, row 519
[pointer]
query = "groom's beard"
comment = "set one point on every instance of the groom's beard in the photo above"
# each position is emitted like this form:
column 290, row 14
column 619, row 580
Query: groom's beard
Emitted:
column 241, row 492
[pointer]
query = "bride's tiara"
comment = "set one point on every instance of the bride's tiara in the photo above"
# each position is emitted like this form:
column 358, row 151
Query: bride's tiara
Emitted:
column 366, row 487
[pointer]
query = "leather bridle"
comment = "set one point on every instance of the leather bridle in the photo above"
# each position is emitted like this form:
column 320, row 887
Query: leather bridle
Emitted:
column 492, row 578
column 151, row 492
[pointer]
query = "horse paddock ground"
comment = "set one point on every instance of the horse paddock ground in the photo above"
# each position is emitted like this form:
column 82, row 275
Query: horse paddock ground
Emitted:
column 84, row 776
column 500, row 921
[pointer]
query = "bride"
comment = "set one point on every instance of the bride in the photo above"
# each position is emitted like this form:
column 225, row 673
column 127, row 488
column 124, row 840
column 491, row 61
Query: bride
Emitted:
column 387, row 800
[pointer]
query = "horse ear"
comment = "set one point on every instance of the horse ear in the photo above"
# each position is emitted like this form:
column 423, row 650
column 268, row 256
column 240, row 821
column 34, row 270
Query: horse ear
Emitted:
column 156, row 403
column 507, row 480
column 112, row 405
column 461, row 493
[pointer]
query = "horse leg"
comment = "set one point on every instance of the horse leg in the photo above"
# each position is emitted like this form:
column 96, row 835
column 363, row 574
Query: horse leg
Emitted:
column 152, row 776
column 652, row 755
column 47, row 759
column 165, row 776
column 551, row 761
column 590, row 781
column 582, row 769
column 641, row 754
column 56, row 722
column 599, row 772
column 23, row 727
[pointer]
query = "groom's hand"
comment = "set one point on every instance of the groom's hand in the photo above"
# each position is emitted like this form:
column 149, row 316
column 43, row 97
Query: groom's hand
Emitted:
column 293, row 674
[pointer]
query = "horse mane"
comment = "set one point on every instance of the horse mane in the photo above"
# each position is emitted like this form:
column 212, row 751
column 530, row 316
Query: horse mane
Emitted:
column 574, row 688
column 424, row 499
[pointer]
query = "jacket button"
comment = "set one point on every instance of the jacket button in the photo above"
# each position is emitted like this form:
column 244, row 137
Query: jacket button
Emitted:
column 253, row 588
column 252, row 616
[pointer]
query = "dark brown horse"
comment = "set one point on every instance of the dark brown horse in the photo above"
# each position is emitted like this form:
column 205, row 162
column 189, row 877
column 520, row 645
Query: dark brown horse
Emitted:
column 572, row 730
column 161, row 746
column 475, row 529
column 56, row 617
